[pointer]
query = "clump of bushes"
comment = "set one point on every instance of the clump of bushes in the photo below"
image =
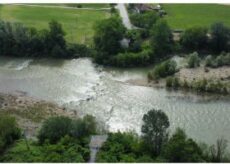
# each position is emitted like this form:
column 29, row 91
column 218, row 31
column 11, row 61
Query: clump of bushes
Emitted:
column 9, row 131
column 172, row 82
column 129, row 59
column 219, row 61
column 60, row 139
column 200, row 85
column 164, row 69
column 193, row 60
column 54, row 128
column 194, row 38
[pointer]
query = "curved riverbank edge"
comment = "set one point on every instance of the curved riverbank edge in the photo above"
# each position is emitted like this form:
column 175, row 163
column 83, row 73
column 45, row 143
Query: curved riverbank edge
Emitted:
column 190, row 75
column 30, row 112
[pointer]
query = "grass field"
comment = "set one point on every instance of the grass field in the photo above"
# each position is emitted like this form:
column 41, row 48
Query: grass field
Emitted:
column 78, row 24
column 83, row 5
column 182, row 16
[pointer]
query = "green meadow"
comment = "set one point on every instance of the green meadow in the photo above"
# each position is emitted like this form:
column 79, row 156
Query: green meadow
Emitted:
column 78, row 24
column 182, row 16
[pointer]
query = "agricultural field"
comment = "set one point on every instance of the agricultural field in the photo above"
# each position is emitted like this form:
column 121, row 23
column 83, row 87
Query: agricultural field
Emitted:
column 78, row 24
column 182, row 16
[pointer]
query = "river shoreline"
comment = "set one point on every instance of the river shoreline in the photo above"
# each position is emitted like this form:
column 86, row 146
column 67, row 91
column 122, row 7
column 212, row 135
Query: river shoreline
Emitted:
column 190, row 75
column 30, row 112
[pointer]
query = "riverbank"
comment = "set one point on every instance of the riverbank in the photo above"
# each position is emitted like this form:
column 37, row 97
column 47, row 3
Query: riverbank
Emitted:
column 30, row 112
column 190, row 75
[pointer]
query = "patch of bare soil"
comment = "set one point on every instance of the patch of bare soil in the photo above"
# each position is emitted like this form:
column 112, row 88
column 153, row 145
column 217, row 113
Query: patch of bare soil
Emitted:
column 221, row 73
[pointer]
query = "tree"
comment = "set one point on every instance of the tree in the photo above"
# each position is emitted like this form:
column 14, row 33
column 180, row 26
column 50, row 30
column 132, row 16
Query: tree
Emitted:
column 84, row 127
column 161, row 39
column 194, row 38
column 108, row 34
column 154, row 130
column 218, row 150
column 54, row 129
column 163, row 69
column 145, row 20
column 9, row 131
column 182, row 149
column 193, row 60
column 121, row 147
column 220, row 37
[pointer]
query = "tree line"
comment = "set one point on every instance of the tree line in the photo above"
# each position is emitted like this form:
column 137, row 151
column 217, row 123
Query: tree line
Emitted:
column 18, row 40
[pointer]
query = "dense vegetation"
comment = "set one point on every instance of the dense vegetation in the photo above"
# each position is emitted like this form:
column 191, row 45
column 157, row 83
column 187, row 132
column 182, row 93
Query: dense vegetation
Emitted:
column 60, row 139
column 203, row 85
column 157, row 145
column 218, row 61
column 9, row 131
column 163, row 69
column 17, row 40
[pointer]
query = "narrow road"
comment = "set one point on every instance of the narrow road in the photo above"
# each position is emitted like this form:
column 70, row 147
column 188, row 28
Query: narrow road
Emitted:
column 62, row 7
column 124, row 15
column 95, row 144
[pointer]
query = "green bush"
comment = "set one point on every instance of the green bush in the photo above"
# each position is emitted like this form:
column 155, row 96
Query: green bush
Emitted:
column 164, row 69
column 66, row 150
column 9, row 131
column 54, row 128
column 194, row 38
column 193, row 60
column 179, row 148
column 132, row 59
column 121, row 147
column 172, row 82
column 219, row 61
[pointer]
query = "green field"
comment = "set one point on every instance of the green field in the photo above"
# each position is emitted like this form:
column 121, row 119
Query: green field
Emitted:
column 83, row 5
column 182, row 16
column 78, row 24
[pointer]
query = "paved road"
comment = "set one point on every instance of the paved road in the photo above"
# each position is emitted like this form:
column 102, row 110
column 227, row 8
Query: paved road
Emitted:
column 124, row 15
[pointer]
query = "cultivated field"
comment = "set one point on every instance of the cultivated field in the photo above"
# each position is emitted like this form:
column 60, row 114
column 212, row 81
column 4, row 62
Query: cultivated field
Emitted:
column 78, row 24
column 182, row 16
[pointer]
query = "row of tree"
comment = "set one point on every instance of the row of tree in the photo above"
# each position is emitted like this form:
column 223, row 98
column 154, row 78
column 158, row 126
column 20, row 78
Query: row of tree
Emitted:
column 18, row 40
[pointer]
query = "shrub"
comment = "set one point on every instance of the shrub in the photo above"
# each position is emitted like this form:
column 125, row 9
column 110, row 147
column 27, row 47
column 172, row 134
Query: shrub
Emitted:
column 132, row 59
column 172, row 82
column 164, row 69
column 209, row 61
column 194, row 38
column 9, row 131
column 54, row 128
column 193, row 60
column 182, row 149
column 219, row 61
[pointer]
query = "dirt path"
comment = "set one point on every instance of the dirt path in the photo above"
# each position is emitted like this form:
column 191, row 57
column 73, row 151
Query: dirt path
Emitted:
column 63, row 7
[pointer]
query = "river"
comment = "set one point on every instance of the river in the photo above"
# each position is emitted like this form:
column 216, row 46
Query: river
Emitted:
column 80, row 85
